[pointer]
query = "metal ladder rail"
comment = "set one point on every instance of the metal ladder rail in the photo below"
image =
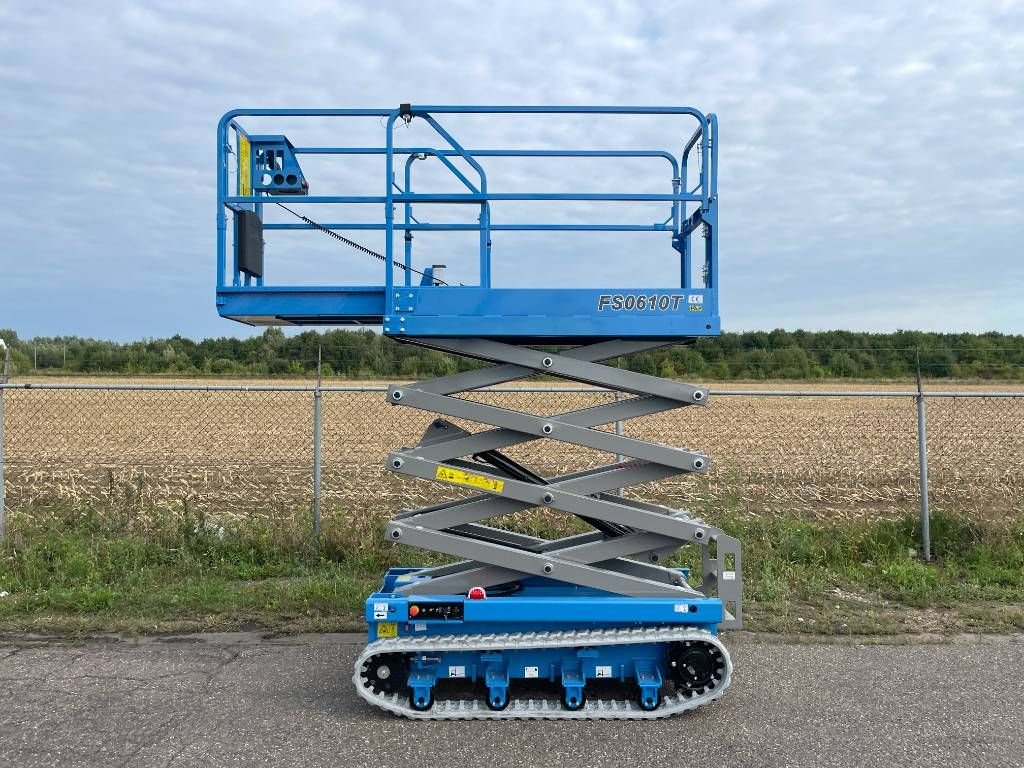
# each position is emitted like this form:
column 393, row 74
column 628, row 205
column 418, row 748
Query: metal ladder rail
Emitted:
column 599, row 560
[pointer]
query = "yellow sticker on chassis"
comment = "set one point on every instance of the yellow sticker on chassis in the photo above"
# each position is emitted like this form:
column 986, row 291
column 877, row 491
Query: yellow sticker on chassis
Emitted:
column 387, row 629
column 459, row 477
column 244, row 167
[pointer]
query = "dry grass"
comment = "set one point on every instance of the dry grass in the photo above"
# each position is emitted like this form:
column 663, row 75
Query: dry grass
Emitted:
column 249, row 453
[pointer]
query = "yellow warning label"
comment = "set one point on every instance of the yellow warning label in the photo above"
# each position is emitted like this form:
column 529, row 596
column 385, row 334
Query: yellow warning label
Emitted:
column 459, row 477
column 244, row 167
column 387, row 629
column 696, row 307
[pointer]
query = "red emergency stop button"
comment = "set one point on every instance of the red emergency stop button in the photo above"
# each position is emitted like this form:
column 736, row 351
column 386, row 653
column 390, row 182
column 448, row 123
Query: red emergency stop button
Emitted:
column 477, row 593
column 414, row 610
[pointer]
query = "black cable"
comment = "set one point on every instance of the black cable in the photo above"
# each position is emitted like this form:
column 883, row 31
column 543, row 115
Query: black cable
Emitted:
column 354, row 244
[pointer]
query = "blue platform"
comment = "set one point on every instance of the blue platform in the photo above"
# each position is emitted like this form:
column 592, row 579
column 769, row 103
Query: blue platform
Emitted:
column 409, row 301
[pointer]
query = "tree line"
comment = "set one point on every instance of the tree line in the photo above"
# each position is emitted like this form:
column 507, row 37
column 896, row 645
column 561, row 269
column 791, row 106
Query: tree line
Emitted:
column 364, row 354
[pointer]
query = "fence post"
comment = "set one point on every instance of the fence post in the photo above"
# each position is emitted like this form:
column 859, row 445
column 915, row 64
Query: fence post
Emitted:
column 3, row 380
column 3, row 501
column 922, row 457
column 317, row 401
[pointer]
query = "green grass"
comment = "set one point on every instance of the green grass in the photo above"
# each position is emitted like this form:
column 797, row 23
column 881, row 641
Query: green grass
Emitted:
column 866, row 576
column 69, row 571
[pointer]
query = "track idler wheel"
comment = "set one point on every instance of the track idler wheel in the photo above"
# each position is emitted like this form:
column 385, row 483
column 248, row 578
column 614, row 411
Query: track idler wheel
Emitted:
column 695, row 667
column 574, row 700
column 421, row 703
column 649, row 701
column 386, row 673
column 498, row 700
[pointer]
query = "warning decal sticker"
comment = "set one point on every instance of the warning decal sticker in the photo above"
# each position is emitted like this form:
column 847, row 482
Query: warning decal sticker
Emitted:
column 244, row 167
column 459, row 477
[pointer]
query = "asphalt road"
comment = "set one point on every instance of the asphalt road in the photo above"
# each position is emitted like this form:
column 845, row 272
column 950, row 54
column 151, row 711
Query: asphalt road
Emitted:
column 234, row 700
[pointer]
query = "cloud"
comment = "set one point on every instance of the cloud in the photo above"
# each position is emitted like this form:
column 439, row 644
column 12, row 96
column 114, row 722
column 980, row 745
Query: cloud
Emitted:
column 872, row 160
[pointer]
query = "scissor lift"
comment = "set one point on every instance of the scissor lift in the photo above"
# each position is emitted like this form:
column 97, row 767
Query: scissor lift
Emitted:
column 591, row 625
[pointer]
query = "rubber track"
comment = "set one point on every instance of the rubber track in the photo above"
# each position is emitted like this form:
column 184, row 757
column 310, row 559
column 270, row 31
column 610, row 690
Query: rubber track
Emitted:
column 526, row 709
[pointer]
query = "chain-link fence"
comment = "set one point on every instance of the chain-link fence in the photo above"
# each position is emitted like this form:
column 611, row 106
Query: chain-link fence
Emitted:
column 246, row 451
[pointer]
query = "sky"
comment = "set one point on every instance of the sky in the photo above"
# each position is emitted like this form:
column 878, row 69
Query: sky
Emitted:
column 872, row 154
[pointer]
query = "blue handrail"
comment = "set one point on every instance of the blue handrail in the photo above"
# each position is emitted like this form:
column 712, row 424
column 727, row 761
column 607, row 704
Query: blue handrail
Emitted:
column 704, row 194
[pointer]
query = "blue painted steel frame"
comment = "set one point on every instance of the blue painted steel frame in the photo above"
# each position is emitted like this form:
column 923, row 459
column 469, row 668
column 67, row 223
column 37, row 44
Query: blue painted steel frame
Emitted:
column 539, row 604
column 405, row 309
